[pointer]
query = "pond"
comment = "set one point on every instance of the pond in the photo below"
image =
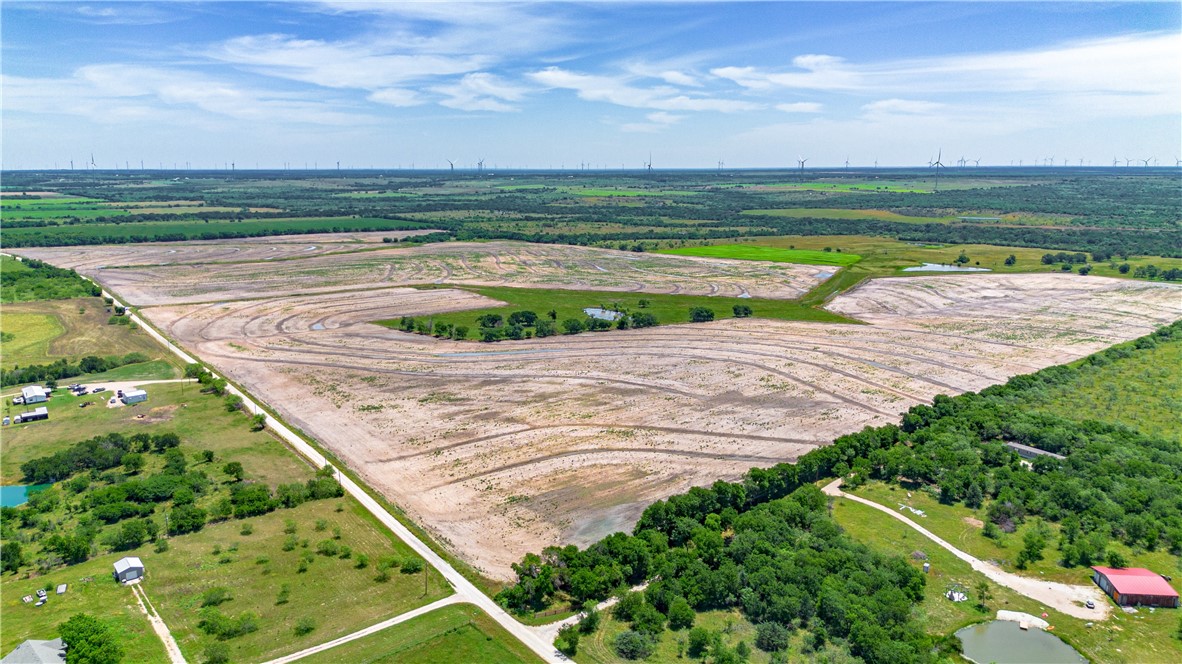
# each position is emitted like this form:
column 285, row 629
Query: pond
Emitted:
column 1003, row 642
column 937, row 267
column 11, row 496
column 602, row 314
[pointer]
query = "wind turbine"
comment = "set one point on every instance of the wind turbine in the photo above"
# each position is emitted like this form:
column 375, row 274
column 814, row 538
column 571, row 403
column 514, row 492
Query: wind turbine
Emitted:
column 452, row 165
column 801, row 160
column 876, row 162
column 92, row 164
column 977, row 163
column 480, row 165
column 1114, row 161
column 962, row 161
column 1127, row 162
column 1177, row 163
column 847, row 162
column 720, row 165
column 648, row 165
column 1145, row 161
column 937, row 164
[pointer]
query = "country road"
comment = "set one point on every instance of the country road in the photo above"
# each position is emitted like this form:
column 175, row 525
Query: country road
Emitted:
column 465, row 589
column 1060, row 596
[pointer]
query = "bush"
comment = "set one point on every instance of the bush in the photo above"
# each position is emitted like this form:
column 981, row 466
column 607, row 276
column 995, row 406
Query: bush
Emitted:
column 412, row 566
column 223, row 627
column 284, row 595
column 328, row 548
column 258, row 422
column 304, row 626
column 362, row 561
column 217, row 653
column 681, row 616
column 633, row 645
column 567, row 641
column 215, row 596
column 771, row 637
column 701, row 315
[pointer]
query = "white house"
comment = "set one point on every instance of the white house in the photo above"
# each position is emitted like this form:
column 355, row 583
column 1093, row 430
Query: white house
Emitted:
column 34, row 394
column 37, row 652
column 129, row 569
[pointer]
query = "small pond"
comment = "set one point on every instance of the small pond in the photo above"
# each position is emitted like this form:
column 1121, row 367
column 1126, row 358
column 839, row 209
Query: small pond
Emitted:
column 1003, row 642
column 937, row 267
column 11, row 496
column 602, row 314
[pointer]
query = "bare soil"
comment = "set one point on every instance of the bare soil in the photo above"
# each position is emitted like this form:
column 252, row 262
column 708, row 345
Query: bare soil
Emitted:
column 507, row 448
column 320, row 270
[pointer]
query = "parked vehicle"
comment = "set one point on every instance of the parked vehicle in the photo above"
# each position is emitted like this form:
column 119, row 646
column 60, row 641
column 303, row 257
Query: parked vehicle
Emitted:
column 18, row 401
column 98, row 389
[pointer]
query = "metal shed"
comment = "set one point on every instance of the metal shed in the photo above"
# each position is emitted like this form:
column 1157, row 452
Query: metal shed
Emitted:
column 129, row 569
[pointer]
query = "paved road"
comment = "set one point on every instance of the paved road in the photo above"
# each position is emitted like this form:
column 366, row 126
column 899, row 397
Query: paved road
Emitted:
column 1061, row 596
column 465, row 590
column 453, row 599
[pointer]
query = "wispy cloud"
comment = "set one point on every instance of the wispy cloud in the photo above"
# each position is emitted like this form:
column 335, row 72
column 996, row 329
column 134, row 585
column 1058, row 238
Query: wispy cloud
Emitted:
column 481, row 91
column 619, row 91
column 657, row 121
column 800, row 107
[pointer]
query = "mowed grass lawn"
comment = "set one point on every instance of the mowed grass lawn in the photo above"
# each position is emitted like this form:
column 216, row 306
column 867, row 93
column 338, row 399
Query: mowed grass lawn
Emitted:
column 749, row 252
column 458, row 633
column 1123, row 638
column 46, row 330
column 668, row 309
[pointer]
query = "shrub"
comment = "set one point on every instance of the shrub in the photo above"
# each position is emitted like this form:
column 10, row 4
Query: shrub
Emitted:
column 223, row 627
column 284, row 595
column 681, row 616
column 568, row 641
column 771, row 637
column 215, row 596
column 247, row 529
column 304, row 626
column 216, row 653
column 362, row 561
column 328, row 548
column 633, row 645
column 701, row 315
column 412, row 566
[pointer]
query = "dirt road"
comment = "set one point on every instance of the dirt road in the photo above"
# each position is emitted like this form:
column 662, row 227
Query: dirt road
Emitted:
column 1059, row 596
column 158, row 626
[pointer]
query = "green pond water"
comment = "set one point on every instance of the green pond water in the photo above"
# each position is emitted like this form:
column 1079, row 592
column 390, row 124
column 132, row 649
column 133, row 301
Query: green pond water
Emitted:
column 1003, row 642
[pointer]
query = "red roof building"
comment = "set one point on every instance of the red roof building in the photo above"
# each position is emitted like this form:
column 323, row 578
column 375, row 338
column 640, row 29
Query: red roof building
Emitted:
column 1130, row 586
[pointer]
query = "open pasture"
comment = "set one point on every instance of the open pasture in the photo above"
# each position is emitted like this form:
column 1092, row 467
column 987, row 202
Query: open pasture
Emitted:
column 478, row 264
column 749, row 252
column 499, row 450
column 46, row 330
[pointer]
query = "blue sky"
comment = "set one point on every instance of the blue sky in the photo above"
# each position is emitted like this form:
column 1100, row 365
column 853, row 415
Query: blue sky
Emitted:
column 549, row 85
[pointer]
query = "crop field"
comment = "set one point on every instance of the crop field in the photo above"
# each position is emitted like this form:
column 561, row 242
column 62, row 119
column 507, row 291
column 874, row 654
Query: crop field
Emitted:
column 484, row 264
column 749, row 252
column 507, row 448
column 46, row 330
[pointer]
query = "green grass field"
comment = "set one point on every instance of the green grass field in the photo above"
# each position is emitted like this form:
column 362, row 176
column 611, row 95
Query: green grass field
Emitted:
column 668, row 309
column 47, row 330
column 337, row 595
column 596, row 648
column 456, row 633
column 749, row 252
column 838, row 213
column 91, row 589
column 1143, row 391
column 1123, row 638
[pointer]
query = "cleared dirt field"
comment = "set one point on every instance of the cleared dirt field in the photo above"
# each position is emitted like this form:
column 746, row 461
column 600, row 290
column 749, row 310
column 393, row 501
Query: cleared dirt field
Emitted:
column 504, row 449
column 483, row 264
column 211, row 251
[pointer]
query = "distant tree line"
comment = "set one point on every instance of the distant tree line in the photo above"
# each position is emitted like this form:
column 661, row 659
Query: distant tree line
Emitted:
column 62, row 369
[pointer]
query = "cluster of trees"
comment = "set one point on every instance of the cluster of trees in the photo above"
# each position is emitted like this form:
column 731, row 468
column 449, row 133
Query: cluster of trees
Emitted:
column 1064, row 257
column 92, row 487
column 526, row 324
column 31, row 279
column 62, row 369
column 766, row 546
column 430, row 327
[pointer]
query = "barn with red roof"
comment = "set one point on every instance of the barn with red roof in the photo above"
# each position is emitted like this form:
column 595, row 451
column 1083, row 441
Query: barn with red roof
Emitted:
column 1132, row 586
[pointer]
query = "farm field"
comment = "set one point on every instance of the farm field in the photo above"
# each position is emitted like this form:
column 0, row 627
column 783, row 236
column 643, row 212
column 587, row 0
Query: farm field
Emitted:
column 503, row 449
column 758, row 253
column 482, row 264
column 838, row 213
column 462, row 631
column 46, row 330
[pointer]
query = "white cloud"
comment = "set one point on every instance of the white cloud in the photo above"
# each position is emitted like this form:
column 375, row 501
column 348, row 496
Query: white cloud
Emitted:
column 481, row 92
column 656, row 122
column 800, row 107
column 902, row 106
column 617, row 90
column 396, row 97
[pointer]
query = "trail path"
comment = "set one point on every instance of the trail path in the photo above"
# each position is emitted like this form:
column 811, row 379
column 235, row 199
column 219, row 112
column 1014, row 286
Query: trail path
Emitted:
column 1060, row 596
column 161, row 629
column 465, row 589
column 403, row 617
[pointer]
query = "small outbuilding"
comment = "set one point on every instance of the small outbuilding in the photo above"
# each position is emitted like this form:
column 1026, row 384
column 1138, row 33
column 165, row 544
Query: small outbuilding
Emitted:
column 34, row 394
column 129, row 569
column 37, row 652
column 1133, row 586
column 1027, row 452
column 134, row 396
column 40, row 413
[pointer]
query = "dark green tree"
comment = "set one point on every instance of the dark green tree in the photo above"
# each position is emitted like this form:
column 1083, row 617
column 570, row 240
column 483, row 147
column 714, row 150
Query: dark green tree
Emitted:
column 89, row 641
